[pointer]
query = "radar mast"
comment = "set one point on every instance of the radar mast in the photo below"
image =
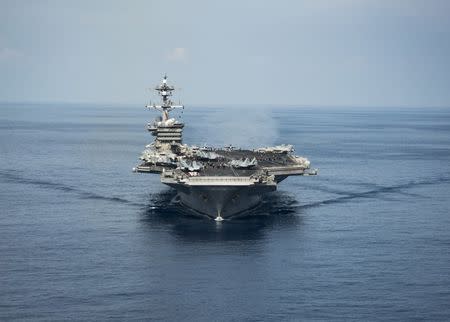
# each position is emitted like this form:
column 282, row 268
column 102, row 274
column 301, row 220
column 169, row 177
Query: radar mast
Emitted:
column 165, row 91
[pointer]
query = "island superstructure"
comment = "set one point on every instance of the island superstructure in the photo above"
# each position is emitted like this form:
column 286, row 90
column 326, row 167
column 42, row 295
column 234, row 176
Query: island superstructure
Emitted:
column 217, row 182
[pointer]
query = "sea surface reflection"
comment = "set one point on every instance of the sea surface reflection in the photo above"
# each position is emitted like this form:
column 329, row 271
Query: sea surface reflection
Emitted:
column 277, row 209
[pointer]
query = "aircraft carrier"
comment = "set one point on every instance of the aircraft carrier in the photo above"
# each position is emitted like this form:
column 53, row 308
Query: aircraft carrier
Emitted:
column 220, row 183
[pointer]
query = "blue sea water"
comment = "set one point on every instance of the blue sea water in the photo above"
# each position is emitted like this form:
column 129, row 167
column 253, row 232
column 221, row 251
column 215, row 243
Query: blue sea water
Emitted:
column 84, row 238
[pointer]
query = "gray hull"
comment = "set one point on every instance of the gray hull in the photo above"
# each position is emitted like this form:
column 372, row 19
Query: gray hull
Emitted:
column 221, row 201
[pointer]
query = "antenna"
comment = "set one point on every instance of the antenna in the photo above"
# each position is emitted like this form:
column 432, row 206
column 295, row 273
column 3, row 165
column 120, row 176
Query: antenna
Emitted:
column 165, row 92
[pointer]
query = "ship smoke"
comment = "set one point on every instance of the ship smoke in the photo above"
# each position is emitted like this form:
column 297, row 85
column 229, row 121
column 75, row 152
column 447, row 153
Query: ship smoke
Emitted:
column 241, row 127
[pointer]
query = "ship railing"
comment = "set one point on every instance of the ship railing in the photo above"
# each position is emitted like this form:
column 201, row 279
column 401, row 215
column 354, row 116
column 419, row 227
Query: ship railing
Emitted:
column 220, row 180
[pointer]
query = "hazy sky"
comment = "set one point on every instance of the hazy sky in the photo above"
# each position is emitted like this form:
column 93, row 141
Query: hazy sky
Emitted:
column 316, row 52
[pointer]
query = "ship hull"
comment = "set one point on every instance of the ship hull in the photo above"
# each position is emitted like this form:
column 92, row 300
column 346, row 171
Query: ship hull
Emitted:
column 221, row 201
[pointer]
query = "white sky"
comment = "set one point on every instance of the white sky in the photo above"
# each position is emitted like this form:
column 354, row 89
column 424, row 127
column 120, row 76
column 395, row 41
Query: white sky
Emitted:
column 306, row 53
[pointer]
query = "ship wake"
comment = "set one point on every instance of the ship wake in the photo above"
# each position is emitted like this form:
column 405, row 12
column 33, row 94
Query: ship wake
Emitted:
column 378, row 192
column 12, row 177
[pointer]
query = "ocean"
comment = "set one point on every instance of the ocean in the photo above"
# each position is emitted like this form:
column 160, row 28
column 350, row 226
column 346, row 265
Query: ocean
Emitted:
column 82, row 237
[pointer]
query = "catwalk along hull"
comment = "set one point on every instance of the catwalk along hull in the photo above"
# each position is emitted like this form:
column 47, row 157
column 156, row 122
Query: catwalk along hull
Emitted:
column 221, row 201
